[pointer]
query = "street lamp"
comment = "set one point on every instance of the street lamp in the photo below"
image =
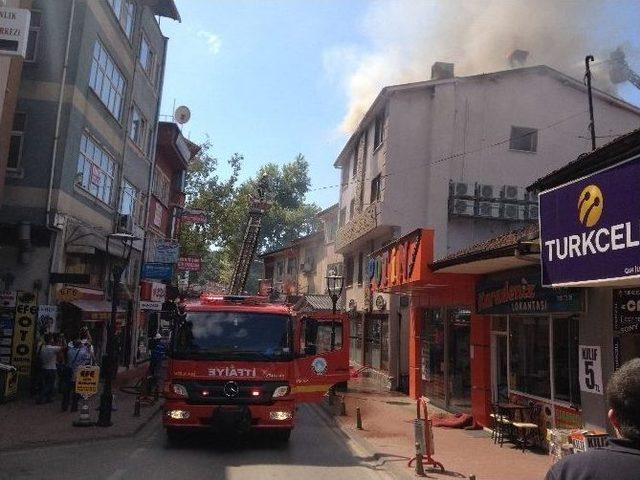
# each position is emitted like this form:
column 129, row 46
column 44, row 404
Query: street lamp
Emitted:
column 334, row 287
column 117, row 269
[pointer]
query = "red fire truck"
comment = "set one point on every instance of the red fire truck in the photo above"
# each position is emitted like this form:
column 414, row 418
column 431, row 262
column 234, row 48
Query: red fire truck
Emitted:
column 243, row 363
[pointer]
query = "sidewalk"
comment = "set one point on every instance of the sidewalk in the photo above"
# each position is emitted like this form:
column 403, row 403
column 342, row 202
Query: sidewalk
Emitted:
column 387, row 420
column 23, row 424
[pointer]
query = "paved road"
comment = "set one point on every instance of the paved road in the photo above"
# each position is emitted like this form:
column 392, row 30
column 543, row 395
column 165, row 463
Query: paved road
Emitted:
column 316, row 451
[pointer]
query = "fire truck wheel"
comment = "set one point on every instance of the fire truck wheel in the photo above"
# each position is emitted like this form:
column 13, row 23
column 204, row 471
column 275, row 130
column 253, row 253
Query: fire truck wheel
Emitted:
column 281, row 435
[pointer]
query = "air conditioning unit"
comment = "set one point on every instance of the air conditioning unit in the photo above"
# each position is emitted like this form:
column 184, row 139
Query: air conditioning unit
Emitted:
column 531, row 211
column 462, row 207
column 486, row 191
column 531, row 197
column 512, row 211
column 511, row 192
column 489, row 209
column 125, row 223
column 462, row 189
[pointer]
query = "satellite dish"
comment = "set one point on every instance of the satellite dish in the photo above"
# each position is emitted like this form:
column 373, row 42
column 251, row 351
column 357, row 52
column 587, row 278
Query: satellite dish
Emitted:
column 182, row 114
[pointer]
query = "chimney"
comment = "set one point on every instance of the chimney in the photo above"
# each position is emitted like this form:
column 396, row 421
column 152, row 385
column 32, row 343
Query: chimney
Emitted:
column 441, row 71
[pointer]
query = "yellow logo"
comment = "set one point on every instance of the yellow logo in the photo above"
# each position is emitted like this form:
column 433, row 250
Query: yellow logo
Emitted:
column 590, row 204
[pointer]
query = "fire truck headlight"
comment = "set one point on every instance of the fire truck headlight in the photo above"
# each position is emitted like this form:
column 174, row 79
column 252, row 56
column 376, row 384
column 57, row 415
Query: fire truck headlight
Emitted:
column 280, row 415
column 180, row 390
column 281, row 391
column 178, row 414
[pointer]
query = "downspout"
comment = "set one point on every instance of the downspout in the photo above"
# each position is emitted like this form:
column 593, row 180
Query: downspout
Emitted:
column 56, row 139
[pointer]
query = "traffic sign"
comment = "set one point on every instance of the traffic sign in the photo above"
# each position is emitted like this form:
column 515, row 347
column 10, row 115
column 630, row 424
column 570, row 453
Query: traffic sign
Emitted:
column 87, row 378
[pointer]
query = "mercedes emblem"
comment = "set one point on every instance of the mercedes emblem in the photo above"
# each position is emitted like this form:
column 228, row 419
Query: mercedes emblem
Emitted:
column 231, row 389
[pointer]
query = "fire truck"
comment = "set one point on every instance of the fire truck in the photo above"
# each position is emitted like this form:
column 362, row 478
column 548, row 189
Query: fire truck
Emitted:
column 240, row 362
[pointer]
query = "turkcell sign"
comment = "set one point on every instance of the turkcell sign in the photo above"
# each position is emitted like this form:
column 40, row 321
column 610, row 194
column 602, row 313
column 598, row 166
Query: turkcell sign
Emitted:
column 590, row 228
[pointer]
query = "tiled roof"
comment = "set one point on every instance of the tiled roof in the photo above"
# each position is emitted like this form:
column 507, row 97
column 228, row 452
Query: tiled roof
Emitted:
column 316, row 302
column 505, row 241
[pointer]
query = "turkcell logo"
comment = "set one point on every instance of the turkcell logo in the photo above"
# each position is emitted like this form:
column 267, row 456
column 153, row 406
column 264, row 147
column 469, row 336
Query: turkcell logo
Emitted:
column 594, row 241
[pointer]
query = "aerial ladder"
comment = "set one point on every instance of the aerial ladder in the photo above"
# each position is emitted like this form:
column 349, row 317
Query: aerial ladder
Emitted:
column 259, row 205
column 620, row 71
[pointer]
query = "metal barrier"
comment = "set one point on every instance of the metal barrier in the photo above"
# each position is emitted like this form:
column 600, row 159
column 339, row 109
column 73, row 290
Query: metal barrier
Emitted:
column 424, row 437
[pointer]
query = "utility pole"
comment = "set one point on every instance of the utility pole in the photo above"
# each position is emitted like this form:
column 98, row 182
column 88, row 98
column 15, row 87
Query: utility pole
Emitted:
column 587, row 76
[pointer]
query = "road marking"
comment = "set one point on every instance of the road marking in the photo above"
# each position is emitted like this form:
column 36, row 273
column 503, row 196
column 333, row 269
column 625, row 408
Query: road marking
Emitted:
column 117, row 475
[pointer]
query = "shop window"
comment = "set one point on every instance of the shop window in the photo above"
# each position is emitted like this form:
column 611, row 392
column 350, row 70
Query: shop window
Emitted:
column 498, row 324
column 355, row 344
column 523, row 139
column 565, row 359
column 529, row 355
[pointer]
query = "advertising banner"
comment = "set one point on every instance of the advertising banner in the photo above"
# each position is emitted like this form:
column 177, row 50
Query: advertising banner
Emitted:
column 524, row 294
column 157, row 271
column 24, row 331
column 87, row 378
column 47, row 318
column 194, row 216
column 590, row 228
column 8, row 299
column 626, row 310
column 166, row 252
column 14, row 31
column 190, row 263
column 154, row 306
column 590, row 369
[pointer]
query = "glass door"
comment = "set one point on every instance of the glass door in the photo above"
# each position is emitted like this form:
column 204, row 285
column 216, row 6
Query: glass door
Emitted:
column 459, row 365
column 433, row 356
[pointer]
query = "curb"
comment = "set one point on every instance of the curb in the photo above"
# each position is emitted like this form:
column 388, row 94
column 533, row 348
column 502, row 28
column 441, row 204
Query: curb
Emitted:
column 392, row 468
column 58, row 443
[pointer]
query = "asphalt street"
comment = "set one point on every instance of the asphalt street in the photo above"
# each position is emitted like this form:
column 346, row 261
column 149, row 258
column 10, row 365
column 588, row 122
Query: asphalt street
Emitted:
column 316, row 450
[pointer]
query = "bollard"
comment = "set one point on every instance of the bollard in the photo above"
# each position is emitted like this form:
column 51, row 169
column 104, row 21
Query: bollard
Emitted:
column 136, row 407
column 419, row 465
column 84, row 419
column 358, row 419
column 343, row 406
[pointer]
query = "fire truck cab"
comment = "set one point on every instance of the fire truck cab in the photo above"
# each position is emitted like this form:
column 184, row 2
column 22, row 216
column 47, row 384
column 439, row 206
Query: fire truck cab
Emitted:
column 241, row 363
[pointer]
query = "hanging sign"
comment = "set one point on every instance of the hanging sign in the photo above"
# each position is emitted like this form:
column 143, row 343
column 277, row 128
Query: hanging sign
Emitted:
column 87, row 378
column 590, row 369
column 47, row 316
column 190, row 263
column 24, row 333
column 68, row 294
column 166, row 252
column 8, row 299
column 626, row 310
column 14, row 31
column 157, row 271
column 154, row 306
column 194, row 216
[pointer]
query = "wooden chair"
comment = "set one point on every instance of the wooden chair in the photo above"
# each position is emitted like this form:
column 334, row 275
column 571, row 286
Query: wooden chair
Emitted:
column 528, row 427
column 501, row 424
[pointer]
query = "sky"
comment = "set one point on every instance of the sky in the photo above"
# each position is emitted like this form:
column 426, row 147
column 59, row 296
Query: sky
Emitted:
column 273, row 78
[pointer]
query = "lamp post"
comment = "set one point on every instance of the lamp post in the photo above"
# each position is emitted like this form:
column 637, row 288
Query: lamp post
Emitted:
column 334, row 287
column 117, row 269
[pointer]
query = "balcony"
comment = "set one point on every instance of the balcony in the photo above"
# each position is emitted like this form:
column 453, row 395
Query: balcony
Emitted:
column 363, row 223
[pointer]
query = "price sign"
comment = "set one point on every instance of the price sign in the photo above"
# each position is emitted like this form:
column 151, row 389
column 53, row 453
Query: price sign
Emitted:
column 87, row 378
column 590, row 369
column 24, row 333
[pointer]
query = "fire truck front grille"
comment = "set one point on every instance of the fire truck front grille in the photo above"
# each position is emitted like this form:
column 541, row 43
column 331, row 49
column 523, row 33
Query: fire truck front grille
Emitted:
column 231, row 392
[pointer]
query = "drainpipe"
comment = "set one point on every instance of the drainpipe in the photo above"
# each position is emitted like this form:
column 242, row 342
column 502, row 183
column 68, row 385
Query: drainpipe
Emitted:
column 56, row 139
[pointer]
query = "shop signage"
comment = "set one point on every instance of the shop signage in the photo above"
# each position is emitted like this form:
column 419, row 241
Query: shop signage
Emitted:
column 68, row 294
column 24, row 331
column 590, row 228
column 8, row 299
column 590, row 369
column 47, row 316
column 393, row 266
column 524, row 294
column 155, row 306
column 194, row 216
column 11, row 387
column 626, row 310
column 158, row 271
column 158, row 292
column 616, row 353
column 166, row 252
column 87, row 378
column 78, row 278
column 190, row 263
column 6, row 334
column 14, row 31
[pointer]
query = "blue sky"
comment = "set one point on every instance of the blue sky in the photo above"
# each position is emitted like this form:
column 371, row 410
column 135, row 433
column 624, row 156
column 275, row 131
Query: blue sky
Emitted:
column 269, row 79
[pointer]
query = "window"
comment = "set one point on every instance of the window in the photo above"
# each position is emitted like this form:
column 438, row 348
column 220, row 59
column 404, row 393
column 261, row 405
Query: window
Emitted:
column 360, row 267
column 565, row 359
column 330, row 230
column 343, row 216
column 106, row 80
column 132, row 202
column 96, row 170
column 335, row 269
column 138, row 127
column 352, row 208
column 344, row 177
column 523, row 139
column 147, row 58
column 16, row 141
column 280, row 268
column 375, row 188
column 529, row 355
column 124, row 10
column 356, row 151
column 34, row 33
column 160, row 186
column 378, row 136
column 348, row 266
column 292, row 266
column 317, row 336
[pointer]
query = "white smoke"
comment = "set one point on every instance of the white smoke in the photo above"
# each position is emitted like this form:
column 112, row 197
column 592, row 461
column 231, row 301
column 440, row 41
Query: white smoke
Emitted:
column 408, row 36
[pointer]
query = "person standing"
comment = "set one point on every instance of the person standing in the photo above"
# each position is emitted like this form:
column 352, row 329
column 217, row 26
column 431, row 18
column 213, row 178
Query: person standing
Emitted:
column 620, row 459
column 47, row 362
column 77, row 356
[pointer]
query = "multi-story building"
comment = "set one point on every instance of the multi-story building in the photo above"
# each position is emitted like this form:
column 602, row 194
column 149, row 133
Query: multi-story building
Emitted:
column 86, row 116
column 453, row 155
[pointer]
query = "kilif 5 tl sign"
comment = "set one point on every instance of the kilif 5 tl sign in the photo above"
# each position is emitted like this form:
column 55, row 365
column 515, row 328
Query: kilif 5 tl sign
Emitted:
column 14, row 31
column 590, row 228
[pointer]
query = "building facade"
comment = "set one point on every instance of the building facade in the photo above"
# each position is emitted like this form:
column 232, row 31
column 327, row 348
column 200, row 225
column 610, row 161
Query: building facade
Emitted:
column 454, row 155
column 86, row 116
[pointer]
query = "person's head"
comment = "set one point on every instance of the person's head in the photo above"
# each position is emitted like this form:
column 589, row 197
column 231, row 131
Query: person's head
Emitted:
column 77, row 343
column 623, row 397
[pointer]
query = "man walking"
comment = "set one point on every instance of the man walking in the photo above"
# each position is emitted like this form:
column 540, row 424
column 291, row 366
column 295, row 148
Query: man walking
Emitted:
column 47, row 358
column 77, row 355
column 620, row 459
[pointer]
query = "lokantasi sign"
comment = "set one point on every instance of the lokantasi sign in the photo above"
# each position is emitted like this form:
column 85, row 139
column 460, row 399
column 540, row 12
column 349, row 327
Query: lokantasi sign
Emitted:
column 87, row 378
column 189, row 264
column 193, row 216
column 24, row 331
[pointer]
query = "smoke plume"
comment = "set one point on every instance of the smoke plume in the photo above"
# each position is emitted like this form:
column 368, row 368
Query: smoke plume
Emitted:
column 405, row 37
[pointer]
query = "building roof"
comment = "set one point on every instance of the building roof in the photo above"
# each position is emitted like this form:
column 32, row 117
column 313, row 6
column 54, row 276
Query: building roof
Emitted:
column 293, row 244
column 542, row 69
column 481, row 257
column 164, row 8
column 617, row 150
column 328, row 210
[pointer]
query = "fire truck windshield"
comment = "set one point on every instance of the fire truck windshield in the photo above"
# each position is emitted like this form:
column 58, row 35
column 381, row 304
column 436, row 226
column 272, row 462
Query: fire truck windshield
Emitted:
column 234, row 335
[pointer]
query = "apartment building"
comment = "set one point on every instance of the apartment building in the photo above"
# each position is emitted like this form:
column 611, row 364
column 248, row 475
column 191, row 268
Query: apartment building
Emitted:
column 86, row 118
column 452, row 155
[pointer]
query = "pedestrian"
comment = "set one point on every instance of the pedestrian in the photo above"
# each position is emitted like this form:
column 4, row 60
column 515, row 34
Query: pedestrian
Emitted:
column 47, row 367
column 620, row 459
column 61, row 359
column 157, row 355
column 77, row 356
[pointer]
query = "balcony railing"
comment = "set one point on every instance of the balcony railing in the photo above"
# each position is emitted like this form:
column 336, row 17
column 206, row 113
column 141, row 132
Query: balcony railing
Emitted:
column 358, row 226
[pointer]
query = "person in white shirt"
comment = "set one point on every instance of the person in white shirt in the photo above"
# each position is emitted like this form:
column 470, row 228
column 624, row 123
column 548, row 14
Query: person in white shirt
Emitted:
column 47, row 358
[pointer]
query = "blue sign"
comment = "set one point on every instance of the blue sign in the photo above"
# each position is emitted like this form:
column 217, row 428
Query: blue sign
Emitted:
column 157, row 271
column 590, row 228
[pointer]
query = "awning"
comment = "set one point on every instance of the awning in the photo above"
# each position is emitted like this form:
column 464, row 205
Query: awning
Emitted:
column 98, row 310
